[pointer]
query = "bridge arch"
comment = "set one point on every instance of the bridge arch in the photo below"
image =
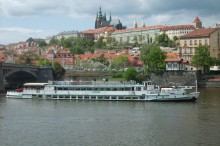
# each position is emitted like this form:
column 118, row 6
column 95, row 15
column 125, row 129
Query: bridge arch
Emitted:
column 17, row 77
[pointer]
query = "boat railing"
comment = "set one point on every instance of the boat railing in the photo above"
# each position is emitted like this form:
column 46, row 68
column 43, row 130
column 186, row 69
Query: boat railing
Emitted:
column 186, row 87
column 93, row 83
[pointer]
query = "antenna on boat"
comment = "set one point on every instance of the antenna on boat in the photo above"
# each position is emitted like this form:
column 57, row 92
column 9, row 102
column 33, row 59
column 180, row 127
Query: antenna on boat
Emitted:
column 196, row 86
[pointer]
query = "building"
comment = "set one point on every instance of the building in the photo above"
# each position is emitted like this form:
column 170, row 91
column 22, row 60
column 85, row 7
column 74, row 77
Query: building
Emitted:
column 101, row 21
column 216, row 25
column 177, row 30
column 104, row 32
column 68, row 34
column 140, row 34
column 204, row 36
column 175, row 64
column 180, row 30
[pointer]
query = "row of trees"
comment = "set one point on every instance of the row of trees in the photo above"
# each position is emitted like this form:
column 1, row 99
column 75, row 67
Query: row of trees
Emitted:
column 202, row 58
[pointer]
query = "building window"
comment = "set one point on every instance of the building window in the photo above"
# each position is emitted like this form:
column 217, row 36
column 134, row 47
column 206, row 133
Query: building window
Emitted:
column 174, row 65
column 185, row 43
column 169, row 65
column 195, row 42
column 180, row 50
column 185, row 50
column 190, row 42
column 206, row 42
column 191, row 51
column 200, row 42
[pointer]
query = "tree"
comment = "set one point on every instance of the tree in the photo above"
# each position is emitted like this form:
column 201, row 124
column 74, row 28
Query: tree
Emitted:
column 28, row 57
column 58, row 69
column 153, row 58
column 202, row 58
column 102, row 60
column 165, row 41
column 54, row 41
column 135, row 39
column 43, row 62
column 77, row 50
column 131, row 74
column 42, row 43
column 120, row 62
column 99, row 43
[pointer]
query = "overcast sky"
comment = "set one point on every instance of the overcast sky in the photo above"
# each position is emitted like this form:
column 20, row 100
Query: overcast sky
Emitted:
column 21, row 19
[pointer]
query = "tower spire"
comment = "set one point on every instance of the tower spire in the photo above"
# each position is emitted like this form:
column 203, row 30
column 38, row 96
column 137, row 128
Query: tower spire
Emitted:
column 110, row 17
column 100, row 12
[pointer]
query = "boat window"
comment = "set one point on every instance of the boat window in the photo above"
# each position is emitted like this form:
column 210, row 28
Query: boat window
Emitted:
column 138, row 88
column 115, row 89
column 127, row 89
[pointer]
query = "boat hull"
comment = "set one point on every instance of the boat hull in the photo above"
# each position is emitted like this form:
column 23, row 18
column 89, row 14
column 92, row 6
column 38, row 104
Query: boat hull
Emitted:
column 109, row 97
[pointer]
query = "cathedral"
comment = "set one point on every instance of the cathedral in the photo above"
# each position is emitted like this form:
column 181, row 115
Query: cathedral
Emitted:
column 101, row 21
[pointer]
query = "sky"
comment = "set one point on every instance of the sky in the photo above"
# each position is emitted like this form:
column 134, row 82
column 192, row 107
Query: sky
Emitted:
column 21, row 19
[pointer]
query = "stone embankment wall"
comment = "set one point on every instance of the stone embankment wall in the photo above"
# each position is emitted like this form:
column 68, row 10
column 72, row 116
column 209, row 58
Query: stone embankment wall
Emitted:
column 45, row 74
column 176, row 78
column 2, row 86
column 85, row 75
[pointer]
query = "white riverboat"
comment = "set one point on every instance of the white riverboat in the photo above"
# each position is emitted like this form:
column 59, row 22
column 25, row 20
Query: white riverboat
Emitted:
column 91, row 90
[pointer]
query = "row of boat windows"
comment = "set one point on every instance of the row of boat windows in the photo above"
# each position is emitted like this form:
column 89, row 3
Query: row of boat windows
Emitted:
column 91, row 97
column 100, row 89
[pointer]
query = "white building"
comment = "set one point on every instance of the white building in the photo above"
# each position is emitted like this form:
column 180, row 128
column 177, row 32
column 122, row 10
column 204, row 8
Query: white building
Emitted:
column 140, row 34
column 180, row 30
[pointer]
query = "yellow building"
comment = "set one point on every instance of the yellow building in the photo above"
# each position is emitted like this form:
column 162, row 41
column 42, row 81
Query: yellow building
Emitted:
column 204, row 36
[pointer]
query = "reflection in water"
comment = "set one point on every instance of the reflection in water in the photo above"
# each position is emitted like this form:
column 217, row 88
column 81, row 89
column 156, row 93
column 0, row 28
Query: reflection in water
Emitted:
column 110, row 123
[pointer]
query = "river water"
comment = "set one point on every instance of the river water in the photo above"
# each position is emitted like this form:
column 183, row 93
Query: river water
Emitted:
column 32, row 122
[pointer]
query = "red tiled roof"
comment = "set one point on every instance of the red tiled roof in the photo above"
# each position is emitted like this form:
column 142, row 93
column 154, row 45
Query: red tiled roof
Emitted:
column 50, row 52
column 204, row 32
column 196, row 20
column 2, row 58
column 176, row 27
column 99, row 30
column 140, row 28
column 108, row 56
column 173, row 60
column 171, row 55
column 64, row 51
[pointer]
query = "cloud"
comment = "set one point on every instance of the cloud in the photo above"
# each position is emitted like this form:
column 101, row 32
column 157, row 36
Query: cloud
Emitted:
column 54, row 13
column 15, row 34
column 125, row 7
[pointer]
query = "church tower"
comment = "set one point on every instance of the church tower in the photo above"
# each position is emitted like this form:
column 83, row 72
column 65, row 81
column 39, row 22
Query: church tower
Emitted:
column 197, row 23
column 143, row 24
column 135, row 24
column 99, row 18
column 110, row 17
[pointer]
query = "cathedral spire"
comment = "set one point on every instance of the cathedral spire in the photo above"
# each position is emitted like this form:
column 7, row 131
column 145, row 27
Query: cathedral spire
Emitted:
column 110, row 17
column 104, row 17
column 100, row 12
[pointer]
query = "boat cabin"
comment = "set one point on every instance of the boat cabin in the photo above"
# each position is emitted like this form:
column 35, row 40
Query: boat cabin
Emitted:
column 149, row 85
column 34, row 86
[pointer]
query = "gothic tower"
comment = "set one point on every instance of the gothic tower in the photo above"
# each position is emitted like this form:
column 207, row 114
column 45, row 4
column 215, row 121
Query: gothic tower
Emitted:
column 99, row 18
column 197, row 23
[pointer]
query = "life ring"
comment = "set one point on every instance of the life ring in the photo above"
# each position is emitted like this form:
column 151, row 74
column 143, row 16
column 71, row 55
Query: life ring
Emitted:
column 163, row 91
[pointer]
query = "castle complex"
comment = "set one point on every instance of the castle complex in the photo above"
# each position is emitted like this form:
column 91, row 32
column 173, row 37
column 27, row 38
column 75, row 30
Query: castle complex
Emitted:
column 101, row 21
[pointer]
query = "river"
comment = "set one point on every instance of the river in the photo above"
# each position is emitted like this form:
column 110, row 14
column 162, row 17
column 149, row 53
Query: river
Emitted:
column 32, row 122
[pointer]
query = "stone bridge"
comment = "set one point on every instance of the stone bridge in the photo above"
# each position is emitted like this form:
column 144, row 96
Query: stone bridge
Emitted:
column 15, row 75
